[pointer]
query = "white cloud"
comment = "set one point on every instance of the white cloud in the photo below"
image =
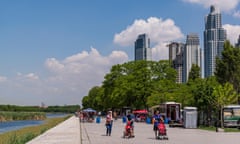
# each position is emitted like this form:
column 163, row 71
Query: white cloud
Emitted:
column 77, row 57
column 54, row 65
column 224, row 5
column 32, row 76
column 65, row 81
column 236, row 14
column 29, row 76
column 117, row 56
column 80, row 72
column 160, row 51
column 85, row 63
column 233, row 32
column 160, row 32
column 3, row 79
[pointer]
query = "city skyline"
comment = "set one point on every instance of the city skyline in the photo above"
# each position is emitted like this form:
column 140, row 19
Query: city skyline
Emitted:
column 56, row 51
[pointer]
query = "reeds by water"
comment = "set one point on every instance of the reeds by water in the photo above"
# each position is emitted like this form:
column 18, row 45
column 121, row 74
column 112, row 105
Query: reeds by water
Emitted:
column 10, row 116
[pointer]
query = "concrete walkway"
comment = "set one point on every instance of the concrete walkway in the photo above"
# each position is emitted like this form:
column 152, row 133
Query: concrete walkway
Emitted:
column 67, row 132
column 73, row 132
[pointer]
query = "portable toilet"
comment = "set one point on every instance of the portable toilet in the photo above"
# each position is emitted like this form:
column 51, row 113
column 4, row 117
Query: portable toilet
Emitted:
column 190, row 117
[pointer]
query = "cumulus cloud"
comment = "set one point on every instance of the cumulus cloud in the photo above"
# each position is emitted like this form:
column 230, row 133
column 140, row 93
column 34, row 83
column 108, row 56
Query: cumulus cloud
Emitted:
column 3, row 78
column 32, row 76
column 232, row 32
column 54, row 65
column 29, row 76
column 160, row 32
column 76, row 74
column 64, row 81
column 224, row 5
column 85, row 63
column 160, row 50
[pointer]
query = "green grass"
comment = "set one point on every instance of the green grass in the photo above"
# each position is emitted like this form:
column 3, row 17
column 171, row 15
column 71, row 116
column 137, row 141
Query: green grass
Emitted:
column 231, row 130
column 24, row 135
column 212, row 128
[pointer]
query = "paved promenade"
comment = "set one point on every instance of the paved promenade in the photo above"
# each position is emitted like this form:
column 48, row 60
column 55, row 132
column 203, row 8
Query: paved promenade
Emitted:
column 73, row 132
column 67, row 132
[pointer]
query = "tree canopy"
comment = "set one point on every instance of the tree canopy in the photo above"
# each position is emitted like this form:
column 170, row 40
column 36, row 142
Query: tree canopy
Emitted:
column 130, row 84
column 228, row 66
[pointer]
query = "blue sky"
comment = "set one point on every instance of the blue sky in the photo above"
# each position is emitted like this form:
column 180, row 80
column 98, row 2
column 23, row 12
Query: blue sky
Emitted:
column 54, row 51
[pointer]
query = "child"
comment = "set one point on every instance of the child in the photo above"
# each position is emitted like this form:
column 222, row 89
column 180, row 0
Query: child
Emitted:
column 129, row 128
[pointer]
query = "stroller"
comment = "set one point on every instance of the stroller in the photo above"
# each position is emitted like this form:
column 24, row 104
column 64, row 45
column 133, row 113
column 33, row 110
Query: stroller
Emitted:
column 162, row 131
column 128, row 132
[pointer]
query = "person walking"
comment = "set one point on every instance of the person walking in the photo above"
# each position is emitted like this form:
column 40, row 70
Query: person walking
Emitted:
column 156, row 120
column 109, row 122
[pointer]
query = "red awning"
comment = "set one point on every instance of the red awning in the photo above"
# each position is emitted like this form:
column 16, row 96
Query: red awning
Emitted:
column 140, row 112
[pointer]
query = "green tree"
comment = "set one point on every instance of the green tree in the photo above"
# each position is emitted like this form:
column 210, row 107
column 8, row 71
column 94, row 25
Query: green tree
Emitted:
column 224, row 95
column 228, row 66
column 93, row 99
column 184, row 93
column 203, row 96
column 194, row 72
column 85, row 102
column 163, row 91
column 130, row 84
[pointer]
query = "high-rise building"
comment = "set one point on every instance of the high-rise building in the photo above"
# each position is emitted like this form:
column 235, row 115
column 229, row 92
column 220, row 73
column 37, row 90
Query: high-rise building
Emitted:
column 191, row 55
column 214, row 38
column 176, row 58
column 238, row 42
column 142, row 48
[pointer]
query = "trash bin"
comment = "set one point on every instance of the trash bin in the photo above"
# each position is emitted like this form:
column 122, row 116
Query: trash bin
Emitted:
column 148, row 120
column 98, row 119
column 124, row 119
column 166, row 121
column 190, row 117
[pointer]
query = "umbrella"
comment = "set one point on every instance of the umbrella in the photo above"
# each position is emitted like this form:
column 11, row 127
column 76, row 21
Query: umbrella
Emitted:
column 89, row 110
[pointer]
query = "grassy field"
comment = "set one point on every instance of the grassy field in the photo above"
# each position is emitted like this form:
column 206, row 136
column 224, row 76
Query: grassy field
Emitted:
column 26, row 134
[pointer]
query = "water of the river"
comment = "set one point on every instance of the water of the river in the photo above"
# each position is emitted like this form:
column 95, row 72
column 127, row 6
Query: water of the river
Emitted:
column 15, row 125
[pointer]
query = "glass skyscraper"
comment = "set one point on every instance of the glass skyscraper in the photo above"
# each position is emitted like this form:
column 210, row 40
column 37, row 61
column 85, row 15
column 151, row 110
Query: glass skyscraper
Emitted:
column 142, row 48
column 214, row 38
column 191, row 55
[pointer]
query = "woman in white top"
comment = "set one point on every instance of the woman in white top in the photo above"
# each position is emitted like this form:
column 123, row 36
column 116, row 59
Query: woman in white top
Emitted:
column 109, row 121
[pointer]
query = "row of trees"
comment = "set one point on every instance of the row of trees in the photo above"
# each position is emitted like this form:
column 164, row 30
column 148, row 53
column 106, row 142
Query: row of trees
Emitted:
column 64, row 109
column 142, row 84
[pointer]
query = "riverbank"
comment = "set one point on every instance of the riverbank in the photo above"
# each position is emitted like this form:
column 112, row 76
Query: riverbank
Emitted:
column 11, row 116
column 23, row 135
column 68, row 132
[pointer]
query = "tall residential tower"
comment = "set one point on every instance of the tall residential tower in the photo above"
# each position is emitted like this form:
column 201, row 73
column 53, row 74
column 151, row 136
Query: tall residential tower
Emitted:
column 176, row 58
column 214, row 38
column 191, row 55
column 142, row 48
